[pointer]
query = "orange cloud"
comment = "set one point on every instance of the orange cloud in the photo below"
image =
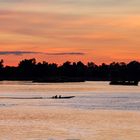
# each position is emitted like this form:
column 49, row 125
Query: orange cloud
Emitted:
column 103, row 38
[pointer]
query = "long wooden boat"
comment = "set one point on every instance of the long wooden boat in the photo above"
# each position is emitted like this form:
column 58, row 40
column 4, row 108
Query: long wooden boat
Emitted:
column 62, row 97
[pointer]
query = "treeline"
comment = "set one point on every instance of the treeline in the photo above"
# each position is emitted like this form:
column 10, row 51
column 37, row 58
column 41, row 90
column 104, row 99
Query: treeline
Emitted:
column 32, row 70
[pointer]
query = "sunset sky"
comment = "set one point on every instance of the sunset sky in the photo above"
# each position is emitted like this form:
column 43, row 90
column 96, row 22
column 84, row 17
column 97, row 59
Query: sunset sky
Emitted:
column 73, row 30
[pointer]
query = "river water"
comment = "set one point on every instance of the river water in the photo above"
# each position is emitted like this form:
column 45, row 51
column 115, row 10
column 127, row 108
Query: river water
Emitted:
column 88, row 95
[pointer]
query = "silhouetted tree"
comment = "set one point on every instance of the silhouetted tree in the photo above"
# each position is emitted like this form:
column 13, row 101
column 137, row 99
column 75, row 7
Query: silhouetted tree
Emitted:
column 1, row 68
column 1, row 63
column 42, row 69
column 29, row 69
column 133, row 69
column 66, row 69
column 91, row 72
column 80, row 69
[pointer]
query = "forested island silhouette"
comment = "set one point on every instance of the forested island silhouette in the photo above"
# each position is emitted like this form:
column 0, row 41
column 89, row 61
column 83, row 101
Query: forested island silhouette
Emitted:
column 30, row 69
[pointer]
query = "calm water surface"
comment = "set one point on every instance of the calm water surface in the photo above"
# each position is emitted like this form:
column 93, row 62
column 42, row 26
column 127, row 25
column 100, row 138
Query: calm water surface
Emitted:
column 89, row 95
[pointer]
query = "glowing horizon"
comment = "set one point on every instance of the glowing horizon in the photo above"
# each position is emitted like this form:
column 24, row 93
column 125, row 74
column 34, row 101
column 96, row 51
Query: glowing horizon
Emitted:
column 82, row 30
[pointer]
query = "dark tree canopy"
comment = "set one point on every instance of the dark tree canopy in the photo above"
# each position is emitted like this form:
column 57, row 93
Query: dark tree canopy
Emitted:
column 30, row 69
column 1, row 63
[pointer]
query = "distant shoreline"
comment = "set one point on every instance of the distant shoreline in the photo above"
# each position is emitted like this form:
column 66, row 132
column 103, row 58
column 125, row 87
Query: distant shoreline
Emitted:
column 30, row 70
column 38, row 81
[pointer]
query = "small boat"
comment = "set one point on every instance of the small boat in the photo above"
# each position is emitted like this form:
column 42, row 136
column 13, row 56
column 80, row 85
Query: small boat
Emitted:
column 125, row 83
column 62, row 97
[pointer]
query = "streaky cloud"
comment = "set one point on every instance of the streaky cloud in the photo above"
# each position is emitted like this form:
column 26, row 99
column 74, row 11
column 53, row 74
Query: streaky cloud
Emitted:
column 31, row 52
column 16, row 52
column 66, row 53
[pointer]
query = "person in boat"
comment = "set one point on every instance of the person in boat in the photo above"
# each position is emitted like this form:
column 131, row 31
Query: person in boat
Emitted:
column 62, row 97
column 55, row 96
